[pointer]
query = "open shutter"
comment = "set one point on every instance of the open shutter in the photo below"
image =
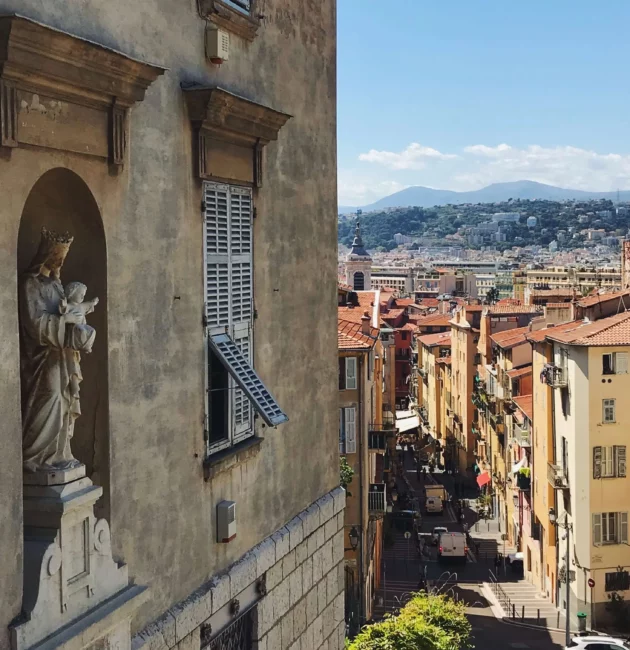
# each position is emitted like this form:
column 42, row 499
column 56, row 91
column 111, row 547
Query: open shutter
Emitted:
column 241, row 406
column 351, row 373
column 342, row 432
column 597, row 529
column 623, row 528
column 241, row 254
column 620, row 460
column 621, row 363
column 217, row 255
column 351, row 430
column 597, row 462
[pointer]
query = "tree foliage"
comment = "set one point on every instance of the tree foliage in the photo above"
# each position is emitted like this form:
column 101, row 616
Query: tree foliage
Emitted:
column 426, row 622
column 346, row 473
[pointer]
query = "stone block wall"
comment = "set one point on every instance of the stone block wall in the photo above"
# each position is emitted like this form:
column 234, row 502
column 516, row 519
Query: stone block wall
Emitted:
column 303, row 608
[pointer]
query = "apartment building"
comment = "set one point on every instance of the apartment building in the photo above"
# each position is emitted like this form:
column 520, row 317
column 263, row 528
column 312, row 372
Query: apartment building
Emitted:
column 363, row 441
column 138, row 169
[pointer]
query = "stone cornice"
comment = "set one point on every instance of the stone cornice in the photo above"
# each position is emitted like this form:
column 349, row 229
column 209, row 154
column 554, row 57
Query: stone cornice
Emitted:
column 216, row 109
column 40, row 57
column 230, row 19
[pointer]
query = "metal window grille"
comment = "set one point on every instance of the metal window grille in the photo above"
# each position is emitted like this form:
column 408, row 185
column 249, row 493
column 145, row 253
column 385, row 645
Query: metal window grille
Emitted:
column 237, row 636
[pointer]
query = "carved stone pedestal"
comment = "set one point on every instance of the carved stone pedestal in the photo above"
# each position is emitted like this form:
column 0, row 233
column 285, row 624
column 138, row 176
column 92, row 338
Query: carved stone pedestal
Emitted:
column 75, row 594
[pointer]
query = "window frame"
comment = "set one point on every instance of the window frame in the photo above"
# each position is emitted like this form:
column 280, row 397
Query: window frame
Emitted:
column 609, row 403
column 351, row 379
column 617, row 364
column 347, row 443
column 603, row 522
column 614, row 584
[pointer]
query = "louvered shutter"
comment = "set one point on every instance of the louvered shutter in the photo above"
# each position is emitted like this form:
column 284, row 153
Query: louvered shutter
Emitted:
column 597, row 462
column 242, row 408
column 620, row 460
column 597, row 529
column 351, row 431
column 217, row 255
column 623, row 528
column 241, row 254
column 621, row 363
column 351, row 373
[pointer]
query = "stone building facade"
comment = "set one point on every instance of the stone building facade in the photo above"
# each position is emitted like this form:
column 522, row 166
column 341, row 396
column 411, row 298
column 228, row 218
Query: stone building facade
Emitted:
column 119, row 126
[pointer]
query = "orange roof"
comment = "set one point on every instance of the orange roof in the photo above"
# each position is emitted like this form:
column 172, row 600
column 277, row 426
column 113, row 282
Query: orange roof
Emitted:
column 445, row 360
column 441, row 338
column 510, row 338
column 410, row 327
column 514, row 309
column 404, row 302
column 392, row 313
column 590, row 301
column 558, row 305
column 434, row 320
column 524, row 402
column 473, row 307
column 350, row 336
column 539, row 336
column 614, row 330
column 569, row 293
column 354, row 314
column 344, row 287
column 509, row 301
column 519, row 372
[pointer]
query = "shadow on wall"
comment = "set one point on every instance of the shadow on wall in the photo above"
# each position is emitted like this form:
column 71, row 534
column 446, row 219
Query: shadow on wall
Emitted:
column 61, row 201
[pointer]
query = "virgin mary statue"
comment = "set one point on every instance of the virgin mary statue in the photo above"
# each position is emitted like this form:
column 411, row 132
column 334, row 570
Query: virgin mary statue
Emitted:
column 49, row 404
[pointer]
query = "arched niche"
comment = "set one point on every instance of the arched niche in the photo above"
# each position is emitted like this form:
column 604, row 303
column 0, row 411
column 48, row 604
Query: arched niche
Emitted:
column 359, row 281
column 61, row 201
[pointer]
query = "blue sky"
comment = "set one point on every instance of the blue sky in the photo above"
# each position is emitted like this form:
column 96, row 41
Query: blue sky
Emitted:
column 458, row 94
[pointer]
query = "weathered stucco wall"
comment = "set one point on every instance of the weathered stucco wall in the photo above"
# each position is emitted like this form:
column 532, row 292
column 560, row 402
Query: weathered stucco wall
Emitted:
column 162, row 511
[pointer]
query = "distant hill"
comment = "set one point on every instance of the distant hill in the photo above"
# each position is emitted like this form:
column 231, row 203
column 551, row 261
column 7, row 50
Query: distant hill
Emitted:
column 425, row 197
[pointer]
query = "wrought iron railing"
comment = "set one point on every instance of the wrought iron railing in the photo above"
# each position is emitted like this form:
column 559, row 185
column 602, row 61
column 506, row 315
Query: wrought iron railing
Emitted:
column 377, row 501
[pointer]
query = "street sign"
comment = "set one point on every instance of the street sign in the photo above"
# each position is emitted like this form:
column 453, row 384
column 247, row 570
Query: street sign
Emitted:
column 407, row 534
column 591, row 583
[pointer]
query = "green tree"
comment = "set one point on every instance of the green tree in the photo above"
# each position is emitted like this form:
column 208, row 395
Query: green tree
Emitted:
column 492, row 296
column 426, row 622
column 346, row 474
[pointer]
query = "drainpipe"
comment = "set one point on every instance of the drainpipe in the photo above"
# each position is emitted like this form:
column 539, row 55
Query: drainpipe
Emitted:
column 555, row 492
column 364, row 490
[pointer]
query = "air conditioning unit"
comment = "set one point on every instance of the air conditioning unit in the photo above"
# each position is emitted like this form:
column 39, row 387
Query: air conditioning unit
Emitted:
column 217, row 45
column 226, row 521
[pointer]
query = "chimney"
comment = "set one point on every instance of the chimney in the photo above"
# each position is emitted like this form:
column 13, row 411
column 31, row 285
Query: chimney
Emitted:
column 365, row 323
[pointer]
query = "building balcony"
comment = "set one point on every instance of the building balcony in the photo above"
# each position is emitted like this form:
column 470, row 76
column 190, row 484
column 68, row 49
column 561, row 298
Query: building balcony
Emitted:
column 377, row 498
column 496, row 421
column 523, row 482
column 521, row 436
column 377, row 438
column 557, row 477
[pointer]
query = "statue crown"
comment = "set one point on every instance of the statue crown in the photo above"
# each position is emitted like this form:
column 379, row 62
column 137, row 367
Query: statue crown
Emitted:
column 57, row 238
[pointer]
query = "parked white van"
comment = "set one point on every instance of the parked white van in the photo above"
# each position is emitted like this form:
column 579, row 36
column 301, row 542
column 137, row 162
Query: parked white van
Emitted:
column 452, row 546
column 434, row 505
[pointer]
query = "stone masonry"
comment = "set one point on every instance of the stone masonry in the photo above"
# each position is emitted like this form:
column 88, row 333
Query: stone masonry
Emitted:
column 303, row 608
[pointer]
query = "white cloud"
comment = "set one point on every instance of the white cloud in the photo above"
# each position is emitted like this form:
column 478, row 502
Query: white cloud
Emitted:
column 415, row 156
column 355, row 190
column 484, row 150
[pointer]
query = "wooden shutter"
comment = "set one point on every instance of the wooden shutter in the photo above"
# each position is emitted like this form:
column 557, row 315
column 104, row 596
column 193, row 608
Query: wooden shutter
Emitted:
column 351, row 431
column 597, row 529
column 241, row 406
column 241, row 254
column 597, row 462
column 342, row 432
column 217, row 255
column 622, row 529
column 621, row 363
column 620, row 460
column 351, row 373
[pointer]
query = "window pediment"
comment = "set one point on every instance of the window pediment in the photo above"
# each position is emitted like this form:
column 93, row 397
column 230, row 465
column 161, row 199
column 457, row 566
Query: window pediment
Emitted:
column 49, row 78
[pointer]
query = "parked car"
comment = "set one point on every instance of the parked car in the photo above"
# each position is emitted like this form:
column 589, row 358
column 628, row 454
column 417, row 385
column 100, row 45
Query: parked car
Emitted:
column 436, row 532
column 434, row 505
column 597, row 643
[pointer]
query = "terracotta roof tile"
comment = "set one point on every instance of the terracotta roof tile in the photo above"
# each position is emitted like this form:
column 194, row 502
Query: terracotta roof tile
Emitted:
column 445, row 360
column 350, row 336
column 542, row 293
column 540, row 335
column 441, row 338
column 519, row 372
column 410, row 327
column 614, row 330
column 558, row 305
column 354, row 314
column 524, row 402
column 404, row 302
column 590, row 301
column 391, row 314
column 509, row 301
column 344, row 287
column 511, row 338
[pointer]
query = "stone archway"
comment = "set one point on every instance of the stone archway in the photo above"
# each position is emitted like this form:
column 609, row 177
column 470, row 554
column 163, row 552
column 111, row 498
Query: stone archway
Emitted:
column 61, row 201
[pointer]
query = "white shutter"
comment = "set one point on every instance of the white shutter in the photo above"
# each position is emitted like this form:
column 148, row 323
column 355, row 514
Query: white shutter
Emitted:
column 597, row 529
column 216, row 255
column 241, row 406
column 597, row 462
column 351, row 430
column 351, row 373
column 622, row 530
column 620, row 460
column 621, row 363
column 241, row 254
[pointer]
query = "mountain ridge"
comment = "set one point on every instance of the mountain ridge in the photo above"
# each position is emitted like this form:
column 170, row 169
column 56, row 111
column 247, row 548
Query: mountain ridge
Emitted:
column 426, row 197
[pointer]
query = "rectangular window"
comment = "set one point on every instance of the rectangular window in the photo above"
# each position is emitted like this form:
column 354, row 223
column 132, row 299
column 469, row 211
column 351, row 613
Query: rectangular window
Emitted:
column 348, row 373
column 245, row 6
column 234, row 388
column 347, row 431
column 610, row 528
column 618, row 581
column 609, row 462
column 608, row 411
column 615, row 363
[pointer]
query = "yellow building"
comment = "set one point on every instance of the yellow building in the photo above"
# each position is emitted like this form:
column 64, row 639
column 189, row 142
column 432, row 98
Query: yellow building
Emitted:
column 363, row 441
column 586, row 372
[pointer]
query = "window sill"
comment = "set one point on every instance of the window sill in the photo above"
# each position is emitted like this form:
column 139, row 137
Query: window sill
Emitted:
column 230, row 19
column 226, row 459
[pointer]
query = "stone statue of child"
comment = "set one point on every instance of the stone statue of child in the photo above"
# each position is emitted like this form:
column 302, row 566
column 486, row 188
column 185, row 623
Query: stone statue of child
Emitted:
column 79, row 336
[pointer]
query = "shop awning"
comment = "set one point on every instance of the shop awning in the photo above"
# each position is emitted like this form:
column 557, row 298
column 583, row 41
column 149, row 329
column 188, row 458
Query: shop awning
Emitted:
column 407, row 424
column 483, row 479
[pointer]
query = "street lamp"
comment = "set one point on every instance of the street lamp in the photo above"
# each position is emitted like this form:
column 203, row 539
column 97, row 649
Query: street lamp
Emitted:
column 553, row 518
column 353, row 535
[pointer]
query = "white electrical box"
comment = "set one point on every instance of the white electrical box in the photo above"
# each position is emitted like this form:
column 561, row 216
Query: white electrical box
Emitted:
column 226, row 521
column 217, row 45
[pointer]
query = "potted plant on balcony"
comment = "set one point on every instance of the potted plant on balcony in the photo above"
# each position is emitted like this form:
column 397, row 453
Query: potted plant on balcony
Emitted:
column 524, row 478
